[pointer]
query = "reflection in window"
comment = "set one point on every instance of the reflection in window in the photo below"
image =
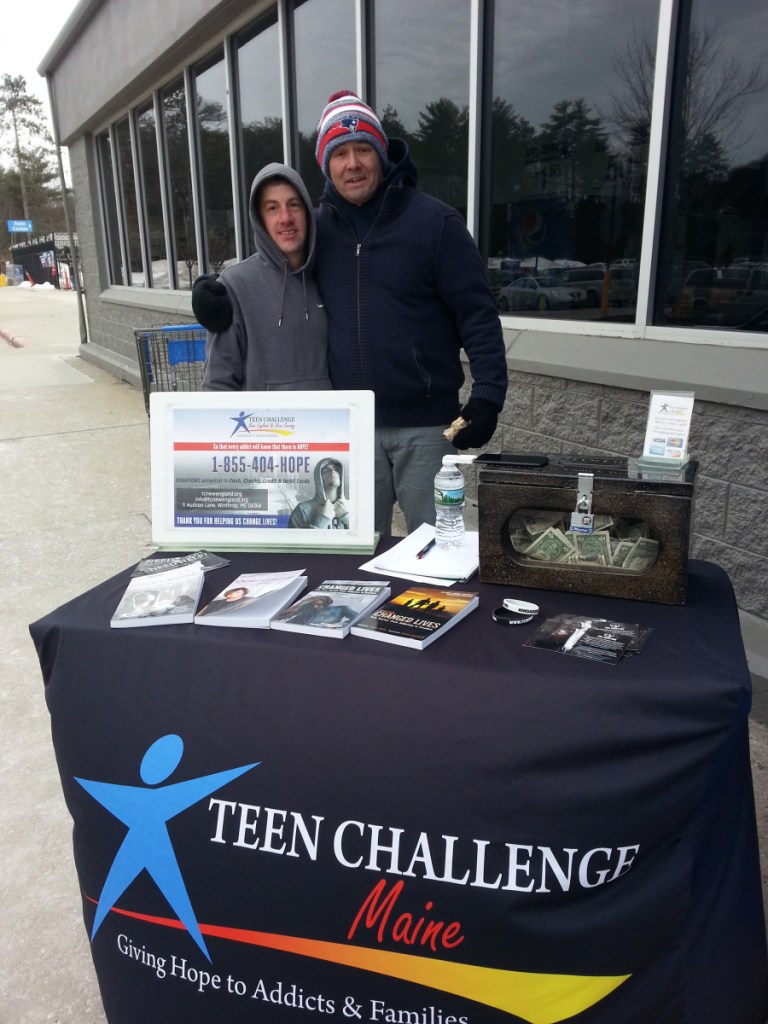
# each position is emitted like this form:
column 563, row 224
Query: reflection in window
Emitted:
column 109, row 206
column 568, row 162
column 258, row 67
column 180, row 182
column 130, row 208
column 325, row 63
column 422, row 88
column 213, row 128
column 152, row 198
column 713, row 266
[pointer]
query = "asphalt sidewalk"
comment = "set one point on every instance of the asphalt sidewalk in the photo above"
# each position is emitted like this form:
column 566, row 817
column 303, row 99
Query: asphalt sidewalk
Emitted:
column 74, row 453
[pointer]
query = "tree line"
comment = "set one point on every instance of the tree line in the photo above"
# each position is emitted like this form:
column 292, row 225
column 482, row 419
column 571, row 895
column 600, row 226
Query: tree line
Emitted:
column 29, row 182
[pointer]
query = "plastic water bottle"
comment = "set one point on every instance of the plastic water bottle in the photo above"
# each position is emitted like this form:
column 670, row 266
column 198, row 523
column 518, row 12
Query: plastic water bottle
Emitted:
column 449, row 504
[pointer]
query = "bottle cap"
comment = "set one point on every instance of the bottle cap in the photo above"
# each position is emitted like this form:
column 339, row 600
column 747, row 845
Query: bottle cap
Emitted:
column 454, row 460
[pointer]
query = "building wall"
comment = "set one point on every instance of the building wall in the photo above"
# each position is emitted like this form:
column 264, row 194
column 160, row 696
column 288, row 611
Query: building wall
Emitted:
column 127, row 48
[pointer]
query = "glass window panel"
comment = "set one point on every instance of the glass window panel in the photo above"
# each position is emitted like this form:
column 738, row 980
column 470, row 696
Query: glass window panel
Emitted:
column 130, row 208
column 325, row 63
column 152, row 196
column 180, row 182
column 213, row 128
column 570, row 121
column 422, row 88
column 258, row 67
column 713, row 260
column 109, row 206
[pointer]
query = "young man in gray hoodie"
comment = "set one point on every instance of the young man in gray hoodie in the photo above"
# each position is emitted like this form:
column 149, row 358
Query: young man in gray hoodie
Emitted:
column 278, row 337
column 327, row 509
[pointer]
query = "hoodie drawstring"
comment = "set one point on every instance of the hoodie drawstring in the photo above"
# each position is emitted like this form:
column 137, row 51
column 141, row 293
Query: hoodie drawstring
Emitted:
column 282, row 294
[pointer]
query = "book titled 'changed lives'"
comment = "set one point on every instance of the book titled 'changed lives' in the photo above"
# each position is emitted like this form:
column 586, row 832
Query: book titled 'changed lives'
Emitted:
column 333, row 607
column 417, row 617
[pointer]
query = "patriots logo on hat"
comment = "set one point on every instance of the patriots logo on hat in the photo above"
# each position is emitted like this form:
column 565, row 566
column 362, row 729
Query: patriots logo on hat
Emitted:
column 350, row 123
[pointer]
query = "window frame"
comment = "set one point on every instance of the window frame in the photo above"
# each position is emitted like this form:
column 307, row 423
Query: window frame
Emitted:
column 642, row 329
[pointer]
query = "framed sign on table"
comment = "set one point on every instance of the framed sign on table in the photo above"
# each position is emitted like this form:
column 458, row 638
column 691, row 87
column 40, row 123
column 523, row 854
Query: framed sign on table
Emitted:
column 258, row 470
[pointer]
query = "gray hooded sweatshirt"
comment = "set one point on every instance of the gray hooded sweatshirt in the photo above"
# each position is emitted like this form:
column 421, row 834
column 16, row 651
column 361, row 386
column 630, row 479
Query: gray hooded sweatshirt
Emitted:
column 278, row 337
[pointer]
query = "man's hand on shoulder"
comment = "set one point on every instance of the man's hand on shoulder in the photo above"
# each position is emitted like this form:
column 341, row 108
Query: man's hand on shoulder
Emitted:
column 211, row 304
column 481, row 417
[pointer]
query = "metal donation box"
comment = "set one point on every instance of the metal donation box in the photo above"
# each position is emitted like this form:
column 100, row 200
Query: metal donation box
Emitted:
column 585, row 524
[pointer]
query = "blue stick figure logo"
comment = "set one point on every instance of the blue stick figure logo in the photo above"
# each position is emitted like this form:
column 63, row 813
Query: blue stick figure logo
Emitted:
column 240, row 423
column 146, row 812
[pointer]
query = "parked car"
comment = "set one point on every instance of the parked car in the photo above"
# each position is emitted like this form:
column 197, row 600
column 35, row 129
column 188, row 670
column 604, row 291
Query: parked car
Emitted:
column 739, row 300
column 708, row 290
column 541, row 293
column 678, row 272
column 622, row 284
column 497, row 278
column 756, row 286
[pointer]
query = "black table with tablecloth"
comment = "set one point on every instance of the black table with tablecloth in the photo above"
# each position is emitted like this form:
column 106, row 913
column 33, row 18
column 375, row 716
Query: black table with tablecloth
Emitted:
column 475, row 833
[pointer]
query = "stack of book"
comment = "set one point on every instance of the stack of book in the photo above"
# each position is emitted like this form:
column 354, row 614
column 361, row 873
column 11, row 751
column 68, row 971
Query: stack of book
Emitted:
column 160, row 598
column 252, row 600
column 332, row 608
column 417, row 617
column 167, row 589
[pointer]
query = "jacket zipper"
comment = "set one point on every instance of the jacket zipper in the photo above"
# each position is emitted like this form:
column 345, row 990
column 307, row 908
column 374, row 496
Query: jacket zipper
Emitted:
column 357, row 312
column 358, row 248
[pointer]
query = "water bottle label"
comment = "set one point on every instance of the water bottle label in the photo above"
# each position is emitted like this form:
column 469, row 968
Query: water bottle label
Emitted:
column 455, row 497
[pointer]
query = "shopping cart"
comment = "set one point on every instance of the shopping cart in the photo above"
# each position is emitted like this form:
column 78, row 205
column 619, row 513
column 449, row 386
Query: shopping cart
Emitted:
column 171, row 358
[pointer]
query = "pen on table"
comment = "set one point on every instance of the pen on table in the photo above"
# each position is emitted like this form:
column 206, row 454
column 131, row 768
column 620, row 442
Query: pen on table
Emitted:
column 426, row 549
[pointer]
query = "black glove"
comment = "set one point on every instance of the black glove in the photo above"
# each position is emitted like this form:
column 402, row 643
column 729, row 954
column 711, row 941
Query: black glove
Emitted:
column 482, row 417
column 211, row 304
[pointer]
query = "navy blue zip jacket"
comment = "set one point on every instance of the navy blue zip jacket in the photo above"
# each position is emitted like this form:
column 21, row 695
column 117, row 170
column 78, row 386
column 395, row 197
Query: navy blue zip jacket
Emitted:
column 405, row 289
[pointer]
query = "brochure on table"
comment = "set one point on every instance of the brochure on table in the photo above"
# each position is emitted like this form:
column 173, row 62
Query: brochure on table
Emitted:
column 253, row 470
column 418, row 558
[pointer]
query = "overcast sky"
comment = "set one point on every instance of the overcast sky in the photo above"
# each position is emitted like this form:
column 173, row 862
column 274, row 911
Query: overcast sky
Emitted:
column 26, row 36
column 546, row 58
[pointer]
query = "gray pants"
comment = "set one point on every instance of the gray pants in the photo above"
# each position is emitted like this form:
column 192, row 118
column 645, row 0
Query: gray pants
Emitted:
column 407, row 459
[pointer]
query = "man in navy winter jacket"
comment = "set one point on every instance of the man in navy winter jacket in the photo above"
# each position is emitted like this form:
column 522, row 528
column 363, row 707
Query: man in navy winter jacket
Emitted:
column 405, row 290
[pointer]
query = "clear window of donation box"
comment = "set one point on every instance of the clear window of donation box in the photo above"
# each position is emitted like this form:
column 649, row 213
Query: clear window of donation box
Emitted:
column 587, row 524
column 253, row 470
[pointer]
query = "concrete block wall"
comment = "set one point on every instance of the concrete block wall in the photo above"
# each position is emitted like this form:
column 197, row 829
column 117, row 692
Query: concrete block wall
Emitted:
column 730, row 521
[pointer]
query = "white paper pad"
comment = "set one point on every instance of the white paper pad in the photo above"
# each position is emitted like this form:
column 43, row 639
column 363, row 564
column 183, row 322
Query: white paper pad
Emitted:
column 437, row 566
